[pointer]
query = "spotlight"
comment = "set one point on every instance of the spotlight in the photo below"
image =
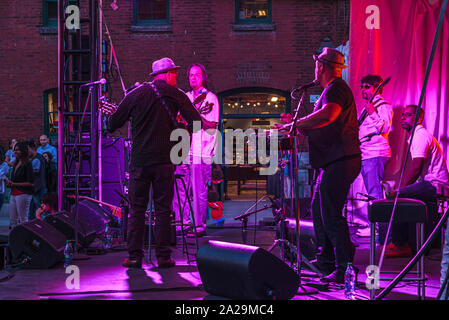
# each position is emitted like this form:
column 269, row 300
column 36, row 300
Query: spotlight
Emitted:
column 114, row 5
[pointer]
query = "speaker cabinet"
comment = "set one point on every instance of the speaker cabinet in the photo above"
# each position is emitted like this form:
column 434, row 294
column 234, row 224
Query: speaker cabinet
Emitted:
column 245, row 272
column 65, row 222
column 93, row 215
column 39, row 241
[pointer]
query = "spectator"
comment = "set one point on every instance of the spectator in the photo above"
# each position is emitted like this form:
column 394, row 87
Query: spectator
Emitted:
column 10, row 156
column 47, row 147
column 4, row 170
column 39, row 174
column 21, row 185
column 49, row 205
column 51, row 175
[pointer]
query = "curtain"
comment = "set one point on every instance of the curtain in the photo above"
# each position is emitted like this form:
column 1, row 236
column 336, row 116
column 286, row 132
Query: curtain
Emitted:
column 394, row 38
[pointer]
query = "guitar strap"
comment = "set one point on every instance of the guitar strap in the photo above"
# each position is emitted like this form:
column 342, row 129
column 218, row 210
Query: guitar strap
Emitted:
column 167, row 109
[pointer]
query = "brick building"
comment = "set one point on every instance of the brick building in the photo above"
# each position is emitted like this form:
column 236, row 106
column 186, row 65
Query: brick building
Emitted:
column 248, row 47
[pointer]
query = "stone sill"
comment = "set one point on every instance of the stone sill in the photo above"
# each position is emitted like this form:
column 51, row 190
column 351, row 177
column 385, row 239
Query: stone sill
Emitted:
column 152, row 28
column 48, row 30
column 254, row 27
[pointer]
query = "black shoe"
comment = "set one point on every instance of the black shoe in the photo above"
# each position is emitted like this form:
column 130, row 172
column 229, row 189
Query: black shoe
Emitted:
column 132, row 263
column 336, row 276
column 166, row 263
column 323, row 270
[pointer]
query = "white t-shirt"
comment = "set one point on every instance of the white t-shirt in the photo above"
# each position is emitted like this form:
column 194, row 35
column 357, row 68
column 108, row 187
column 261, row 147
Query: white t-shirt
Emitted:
column 425, row 145
column 204, row 141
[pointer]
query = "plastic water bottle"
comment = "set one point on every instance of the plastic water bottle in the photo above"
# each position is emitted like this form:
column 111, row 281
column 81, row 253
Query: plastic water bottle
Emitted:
column 107, row 240
column 68, row 254
column 350, row 282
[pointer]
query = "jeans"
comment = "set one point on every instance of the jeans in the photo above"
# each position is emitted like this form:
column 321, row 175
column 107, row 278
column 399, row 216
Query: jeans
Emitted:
column 445, row 260
column 162, row 178
column 373, row 173
column 423, row 191
column 18, row 209
column 331, row 229
column 2, row 199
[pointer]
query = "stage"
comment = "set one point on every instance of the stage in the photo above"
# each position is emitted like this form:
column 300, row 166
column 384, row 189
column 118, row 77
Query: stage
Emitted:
column 102, row 277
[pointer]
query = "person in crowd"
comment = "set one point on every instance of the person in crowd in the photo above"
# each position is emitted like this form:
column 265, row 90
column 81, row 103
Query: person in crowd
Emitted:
column 49, row 205
column 21, row 184
column 51, row 176
column 40, row 184
column 4, row 173
column 47, row 147
column 10, row 157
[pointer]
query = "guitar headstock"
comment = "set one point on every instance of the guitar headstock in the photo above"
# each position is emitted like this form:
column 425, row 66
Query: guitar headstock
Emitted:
column 106, row 107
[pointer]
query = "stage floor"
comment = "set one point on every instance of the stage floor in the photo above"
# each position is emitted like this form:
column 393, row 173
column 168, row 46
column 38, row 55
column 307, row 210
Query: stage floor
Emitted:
column 102, row 277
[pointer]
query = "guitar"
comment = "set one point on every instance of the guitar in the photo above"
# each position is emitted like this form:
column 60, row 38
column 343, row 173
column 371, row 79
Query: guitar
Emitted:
column 203, row 108
column 364, row 112
column 106, row 107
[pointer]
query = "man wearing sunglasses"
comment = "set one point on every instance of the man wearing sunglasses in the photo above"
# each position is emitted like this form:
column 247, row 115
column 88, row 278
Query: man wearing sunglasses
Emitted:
column 374, row 144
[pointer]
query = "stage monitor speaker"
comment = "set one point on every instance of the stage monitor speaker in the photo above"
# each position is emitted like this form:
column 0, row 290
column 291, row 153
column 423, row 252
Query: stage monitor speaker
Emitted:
column 39, row 241
column 65, row 222
column 308, row 246
column 240, row 271
column 93, row 215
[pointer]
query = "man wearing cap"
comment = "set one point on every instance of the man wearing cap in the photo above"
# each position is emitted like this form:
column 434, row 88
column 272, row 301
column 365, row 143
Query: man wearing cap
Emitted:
column 153, row 107
column 334, row 147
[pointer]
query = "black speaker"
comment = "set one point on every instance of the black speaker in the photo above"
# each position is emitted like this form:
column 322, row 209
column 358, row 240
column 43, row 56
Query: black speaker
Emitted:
column 307, row 244
column 39, row 241
column 93, row 215
column 65, row 222
column 245, row 272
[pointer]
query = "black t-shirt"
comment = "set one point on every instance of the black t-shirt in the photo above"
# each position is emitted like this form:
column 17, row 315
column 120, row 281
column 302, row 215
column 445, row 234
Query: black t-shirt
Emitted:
column 24, row 173
column 338, row 139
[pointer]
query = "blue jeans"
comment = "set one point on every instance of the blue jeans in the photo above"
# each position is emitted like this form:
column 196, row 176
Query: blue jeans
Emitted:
column 423, row 191
column 373, row 173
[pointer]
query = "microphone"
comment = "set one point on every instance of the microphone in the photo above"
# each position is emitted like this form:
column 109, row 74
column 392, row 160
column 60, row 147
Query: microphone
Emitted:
column 101, row 81
column 367, row 196
column 314, row 83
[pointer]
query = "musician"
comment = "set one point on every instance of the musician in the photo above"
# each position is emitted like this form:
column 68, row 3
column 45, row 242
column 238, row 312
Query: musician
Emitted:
column 202, row 151
column 153, row 121
column 426, row 171
column 374, row 127
column 332, row 132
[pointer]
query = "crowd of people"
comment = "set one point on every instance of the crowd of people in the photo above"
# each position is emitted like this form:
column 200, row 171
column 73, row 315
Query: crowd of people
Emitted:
column 28, row 176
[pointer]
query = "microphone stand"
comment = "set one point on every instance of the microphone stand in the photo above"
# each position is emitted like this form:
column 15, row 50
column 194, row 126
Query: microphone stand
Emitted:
column 293, row 134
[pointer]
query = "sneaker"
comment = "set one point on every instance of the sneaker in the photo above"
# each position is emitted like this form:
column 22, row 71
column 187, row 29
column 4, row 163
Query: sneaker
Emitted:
column 324, row 271
column 132, row 263
column 399, row 252
column 166, row 263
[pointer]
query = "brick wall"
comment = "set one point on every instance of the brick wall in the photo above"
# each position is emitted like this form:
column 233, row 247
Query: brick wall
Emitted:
column 202, row 31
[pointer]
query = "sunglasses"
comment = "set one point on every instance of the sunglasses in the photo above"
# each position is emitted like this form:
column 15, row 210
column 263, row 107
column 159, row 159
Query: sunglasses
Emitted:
column 365, row 86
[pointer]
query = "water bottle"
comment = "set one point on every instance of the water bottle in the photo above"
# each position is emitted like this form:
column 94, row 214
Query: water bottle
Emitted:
column 350, row 282
column 68, row 254
column 107, row 240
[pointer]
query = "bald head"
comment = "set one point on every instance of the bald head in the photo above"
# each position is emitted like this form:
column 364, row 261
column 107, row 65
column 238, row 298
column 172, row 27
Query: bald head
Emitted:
column 43, row 139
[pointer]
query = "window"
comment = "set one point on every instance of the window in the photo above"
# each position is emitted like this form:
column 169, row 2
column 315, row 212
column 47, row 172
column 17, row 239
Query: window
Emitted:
column 50, row 13
column 51, row 112
column 253, row 11
column 151, row 12
column 254, row 103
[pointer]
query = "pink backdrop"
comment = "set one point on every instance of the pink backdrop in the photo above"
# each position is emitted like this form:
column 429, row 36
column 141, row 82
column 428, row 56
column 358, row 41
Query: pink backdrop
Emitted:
column 395, row 38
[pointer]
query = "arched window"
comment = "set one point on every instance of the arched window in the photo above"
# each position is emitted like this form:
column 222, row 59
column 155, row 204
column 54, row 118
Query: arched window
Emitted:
column 51, row 113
